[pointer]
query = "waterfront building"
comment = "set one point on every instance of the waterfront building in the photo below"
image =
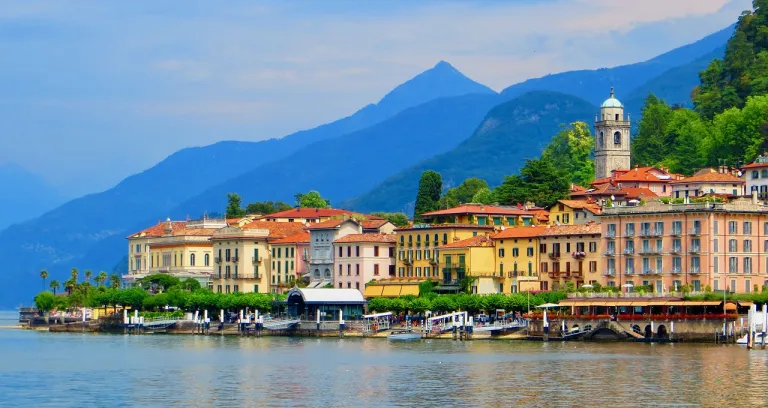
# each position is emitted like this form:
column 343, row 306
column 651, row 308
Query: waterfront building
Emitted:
column 362, row 258
column 517, row 258
column 308, row 303
column 482, row 214
column 655, row 179
column 570, row 254
column 614, row 194
column 612, row 147
column 756, row 177
column 321, row 255
column 573, row 212
column 707, row 182
column 309, row 215
column 246, row 261
column 718, row 246
column 179, row 248
column 294, row 248
column 469, row 258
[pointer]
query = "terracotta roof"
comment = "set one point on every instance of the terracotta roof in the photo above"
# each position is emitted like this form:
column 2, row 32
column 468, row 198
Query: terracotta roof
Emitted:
column 474, row 242
column 582, row 205
column 638, row 192
column 369, row 237
column 477, row 209
column 558, row 230
column 520, row 232
column 639, row 174
column 710, row 177
column 371, row 224
column 756, row 165
column 328, row 224
column 276, row 229
column 308, row 213
column 300, row 238
column 158, row 230
column 447, row 226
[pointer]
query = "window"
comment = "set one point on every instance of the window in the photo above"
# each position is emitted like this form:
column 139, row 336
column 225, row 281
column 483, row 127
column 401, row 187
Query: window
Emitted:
column 191, row 259
column 349, row 251
column 747, row 284
column 349, row 269
column 593, row 247
column 747, row 228
column 579, row 247
column 207, row 259
column 543, row 248
column 349, row 285
column 376, row 250
column 391, row 252
column 357, row 250
column 617, row 135
column 747, row 245
column 630, row 229
column 764, row 173
column 733, row 246
column 755, row 174
column 593, row 266
column 611, row 231
column 501, row 252
column 341, row 269
column 529, row 251
column 733, row 227
column 357, row 269
column 659, row 228
column 375, row 269
column 292, row 252
column 715, row 265
column 747, row 265
column 715, row 246
column 733, row 265
column 218, row 289
column 629, row 266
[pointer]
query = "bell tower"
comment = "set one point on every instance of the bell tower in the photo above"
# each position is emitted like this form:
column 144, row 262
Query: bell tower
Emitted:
column 611, row 138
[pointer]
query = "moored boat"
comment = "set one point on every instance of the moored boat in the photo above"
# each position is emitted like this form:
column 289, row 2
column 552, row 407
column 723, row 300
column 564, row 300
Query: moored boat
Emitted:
column 403, row 335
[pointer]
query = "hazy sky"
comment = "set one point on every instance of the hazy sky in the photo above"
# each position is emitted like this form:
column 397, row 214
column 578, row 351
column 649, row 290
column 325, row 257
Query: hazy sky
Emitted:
column 92, row 91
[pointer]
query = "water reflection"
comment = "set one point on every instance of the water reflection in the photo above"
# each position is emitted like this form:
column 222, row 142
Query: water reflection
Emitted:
column 44, row 369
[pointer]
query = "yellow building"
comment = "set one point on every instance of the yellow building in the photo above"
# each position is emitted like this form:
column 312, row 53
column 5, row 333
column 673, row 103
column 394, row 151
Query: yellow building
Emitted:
column 179, row 248
column 471, row 257
column 517, row 258
column 573, row 212
column 246, row 261
column 570, row 253
column 482, row 214
column 417, row 247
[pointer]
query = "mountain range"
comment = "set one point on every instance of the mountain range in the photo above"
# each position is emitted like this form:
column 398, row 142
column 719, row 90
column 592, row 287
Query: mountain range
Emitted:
column 439, row 119
column 39, row 196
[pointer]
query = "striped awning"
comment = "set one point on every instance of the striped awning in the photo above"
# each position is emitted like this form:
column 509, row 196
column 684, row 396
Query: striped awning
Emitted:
column 373, row 290
column 391, row 290
column 410, row 290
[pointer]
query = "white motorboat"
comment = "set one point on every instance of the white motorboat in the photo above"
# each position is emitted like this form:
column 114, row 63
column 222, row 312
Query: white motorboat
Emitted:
column 743, row 339
column 403, row 335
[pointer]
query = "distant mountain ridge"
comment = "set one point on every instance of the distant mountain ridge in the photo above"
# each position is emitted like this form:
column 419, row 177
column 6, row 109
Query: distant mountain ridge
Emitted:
column 70, row 232
column 26, row 195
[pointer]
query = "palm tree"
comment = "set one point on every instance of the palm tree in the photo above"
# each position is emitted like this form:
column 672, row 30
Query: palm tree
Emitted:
column 54, row 285
column 88, row 275
column 115, row 280
column 70, row 285
column 44, row 275
column 101, row 278
column 75, row 272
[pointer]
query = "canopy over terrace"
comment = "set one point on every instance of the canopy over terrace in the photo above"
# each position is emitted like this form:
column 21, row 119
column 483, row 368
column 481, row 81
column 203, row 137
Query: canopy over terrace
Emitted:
column 391, row 288
column 636, row 306
column 307, row 303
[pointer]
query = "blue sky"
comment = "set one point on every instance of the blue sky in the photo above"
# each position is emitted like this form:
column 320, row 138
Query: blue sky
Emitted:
column 93, row 91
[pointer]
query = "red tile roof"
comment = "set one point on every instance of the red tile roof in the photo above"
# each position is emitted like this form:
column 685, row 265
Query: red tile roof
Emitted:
column 638, row 192
column 371, row 224
column 447, row 226
column 710, row 177
column 520, row 232
column 328, row 224
column 582, row 205
column 276, row 229
column 558, row 230
column 474, row 242
column 300, row 238
column 178, row 228
column 478, row 209
column 368, row 237
column 756, row 165
column 317, row 213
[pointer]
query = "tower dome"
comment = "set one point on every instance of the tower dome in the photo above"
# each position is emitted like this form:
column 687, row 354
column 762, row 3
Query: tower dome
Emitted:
column 612, row 102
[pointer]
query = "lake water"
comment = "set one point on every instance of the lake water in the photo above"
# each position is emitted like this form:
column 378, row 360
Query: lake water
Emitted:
column 84, row 370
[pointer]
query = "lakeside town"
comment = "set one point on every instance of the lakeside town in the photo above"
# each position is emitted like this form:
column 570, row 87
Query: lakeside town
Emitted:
column 641, row 241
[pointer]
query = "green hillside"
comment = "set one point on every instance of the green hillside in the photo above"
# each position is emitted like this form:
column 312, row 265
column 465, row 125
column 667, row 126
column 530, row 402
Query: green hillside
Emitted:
column 509, row 134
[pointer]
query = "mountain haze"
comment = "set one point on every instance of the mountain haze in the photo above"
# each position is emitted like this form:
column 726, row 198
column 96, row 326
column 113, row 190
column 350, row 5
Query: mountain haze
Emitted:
column 68, row 233
column 26, row 195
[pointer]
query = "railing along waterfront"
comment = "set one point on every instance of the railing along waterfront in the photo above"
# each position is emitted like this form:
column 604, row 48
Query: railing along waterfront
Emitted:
column 603, row 295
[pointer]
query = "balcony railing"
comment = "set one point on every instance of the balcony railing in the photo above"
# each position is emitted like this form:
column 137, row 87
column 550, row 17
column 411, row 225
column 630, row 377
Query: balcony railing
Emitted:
column 694, row 249
column 629, row 234
column 629, row 251
column 258, row 259
column 695, row 231
column 610, row 234
column 217, row 259
column 455, row 266
column 674, row 271
column 235, row 259
column 610, row 252
column 657, row 233
column 629, row 272
column 433, row 261
column 554, row 255
column 522, row 274
column 645, row 232
column 609, row 272
column 676, row 232
column 676, row 250
column 579, row 254
column 577, row 274
column 694, row 270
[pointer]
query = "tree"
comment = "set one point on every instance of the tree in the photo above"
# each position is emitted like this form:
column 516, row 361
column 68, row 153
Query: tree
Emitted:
column 101, row 278
column 397, row 219
column 650, row 145
column 483, row 196
column 54, row 285
column 428, row 196
column 267, row 207
column 114, row 280
column 690, row 142
column 233, row 206
column 74, row 274
column 88, row 275
column 539, row 181
column 572, row 150
column 69, row 285
column 463, row 193
column 44, row 275
column 45, row 302
column 312, row 199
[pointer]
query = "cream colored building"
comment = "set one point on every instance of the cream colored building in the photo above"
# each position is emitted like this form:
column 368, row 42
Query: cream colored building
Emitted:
column 708, row 181
column 246, row 261
column 362, row 258
column 179, row 248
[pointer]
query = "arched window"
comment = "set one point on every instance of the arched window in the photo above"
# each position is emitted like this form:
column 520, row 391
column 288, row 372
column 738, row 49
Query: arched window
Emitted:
column 617, row 138
column 317, row 273
column 755, row 174
column 445, row 239
column 340, row 286
column 435, row 239
column 418, row 240
column 601, row 140
column 191, row 259
column 207, row 259
column 764, row 173
column 327, row 273
column 410, row 240
column 402, row 240
column 349, row 285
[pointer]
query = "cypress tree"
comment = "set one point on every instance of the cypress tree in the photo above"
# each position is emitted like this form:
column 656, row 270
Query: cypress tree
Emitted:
column 430, row 187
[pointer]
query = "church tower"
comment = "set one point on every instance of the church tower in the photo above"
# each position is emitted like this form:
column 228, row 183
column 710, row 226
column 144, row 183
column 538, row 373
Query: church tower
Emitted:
column 611, row 138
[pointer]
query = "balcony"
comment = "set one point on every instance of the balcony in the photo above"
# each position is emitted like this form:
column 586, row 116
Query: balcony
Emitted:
column 609, row 252
column 695, row 231
column 523, row 275
column 648, row 272
column 217, row 259
column 629, row 234
column 257, row 260
column 554, row 255
column 408, row 261
column 554, row 275
column 657, row 233
column 305, row 257
column 164, row 269
column 577, row 274
column 235, row 259
column 629, row 251
column 610, row 234
column 645, row 251
column 676, row 232
column 629, row 272
column 579, row 255
column 694, row 271
column 433, row 261
column 695, row 250
column 676, row 250
column 675, row 271
column 609, row 272
column 645, row 233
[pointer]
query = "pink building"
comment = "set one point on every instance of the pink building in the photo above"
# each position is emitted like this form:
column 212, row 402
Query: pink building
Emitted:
column 298, row 246
column 361, row 258
column 717, row 246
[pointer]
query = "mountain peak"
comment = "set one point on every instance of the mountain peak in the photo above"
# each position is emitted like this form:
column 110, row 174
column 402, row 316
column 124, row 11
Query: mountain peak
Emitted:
column 442, row 64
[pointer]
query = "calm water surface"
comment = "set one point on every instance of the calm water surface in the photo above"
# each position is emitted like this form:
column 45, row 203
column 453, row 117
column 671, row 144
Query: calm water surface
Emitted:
column 84, row 370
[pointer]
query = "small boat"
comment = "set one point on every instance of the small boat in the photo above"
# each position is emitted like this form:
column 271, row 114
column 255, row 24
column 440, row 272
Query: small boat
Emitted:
column 743, row 339
column 403, row 335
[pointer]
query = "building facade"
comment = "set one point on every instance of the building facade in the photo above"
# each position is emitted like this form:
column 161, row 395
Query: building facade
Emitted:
column 573, row 212
column 717, row 246
column 612, row 147
column 362, row 258
column 321, row 255
column 756, row 177
column 469, row 258
column 709, row 181
column 570, row 254
column 517, row 258
column 297, row 247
